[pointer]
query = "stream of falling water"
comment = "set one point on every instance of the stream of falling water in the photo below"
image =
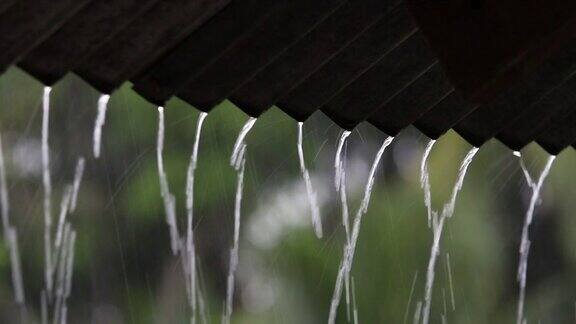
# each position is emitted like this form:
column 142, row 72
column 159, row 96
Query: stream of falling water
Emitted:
column 340, row 184
column 238, row 162
column 425, row 180
column 234, row 158
column 78, row 173
column 438, row 225
column 47, row 186
column 10, row 235
column 312, row 199
column 190, row 248
column 350, row 247
column 59, row 262
column 524, row 249
column 184, row 246
column 338, row 159
column 100, row 121
column 167, row 197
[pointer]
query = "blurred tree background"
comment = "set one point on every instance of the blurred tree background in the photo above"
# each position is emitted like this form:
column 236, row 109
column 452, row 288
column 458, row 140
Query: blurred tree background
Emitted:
column 124, row 271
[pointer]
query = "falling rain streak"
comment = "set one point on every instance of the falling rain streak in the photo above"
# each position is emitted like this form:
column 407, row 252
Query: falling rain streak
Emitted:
column 340, row 184
column 60, row 260
column 350, row 247
column 10, row 234
column 190, row 248
column 182, row 246
column 59, row 242
column 100, row 121
column 438, row 222
column 524, row 249
column 238, row 162
column 425, row 180
column 47, row 185
column 167, row 197
column 312, row 199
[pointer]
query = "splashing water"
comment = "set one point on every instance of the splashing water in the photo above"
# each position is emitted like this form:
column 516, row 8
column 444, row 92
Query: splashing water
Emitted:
column 167, row 197
column 241, row 159
column 190, row 248
column 47, row 186
column 312, row 199
column 100, row 121
column 10, row 234
column 438, row 226
column 425, row 180
column 525, row 242
column 350, row 248
column 234, row 159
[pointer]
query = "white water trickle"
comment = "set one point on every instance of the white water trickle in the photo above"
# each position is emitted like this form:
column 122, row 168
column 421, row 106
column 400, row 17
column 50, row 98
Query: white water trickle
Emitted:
column 354, row 301
column 425, row 180
column 167, row 197
column 47, row 186
column 350, row 248
column 346, row 223
column 437, row 229
column 100, row 121
column 241, row 158
column 60, row 267
column 190, row 248
column 409, row 303
column 417, row 313
column 10, row 234
column 338, row 159
column 64, row 205
column 449, row 207
column 525, row 241
column 5, row 208
column 450, row 282
column 344, row 203
column 340, row 178
column 340, row 184
column 234, row 158
column 78, row 174
column 312, row 199
column 70, row 263
column 371, row 175
column 43, row 307
column 15, row 266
